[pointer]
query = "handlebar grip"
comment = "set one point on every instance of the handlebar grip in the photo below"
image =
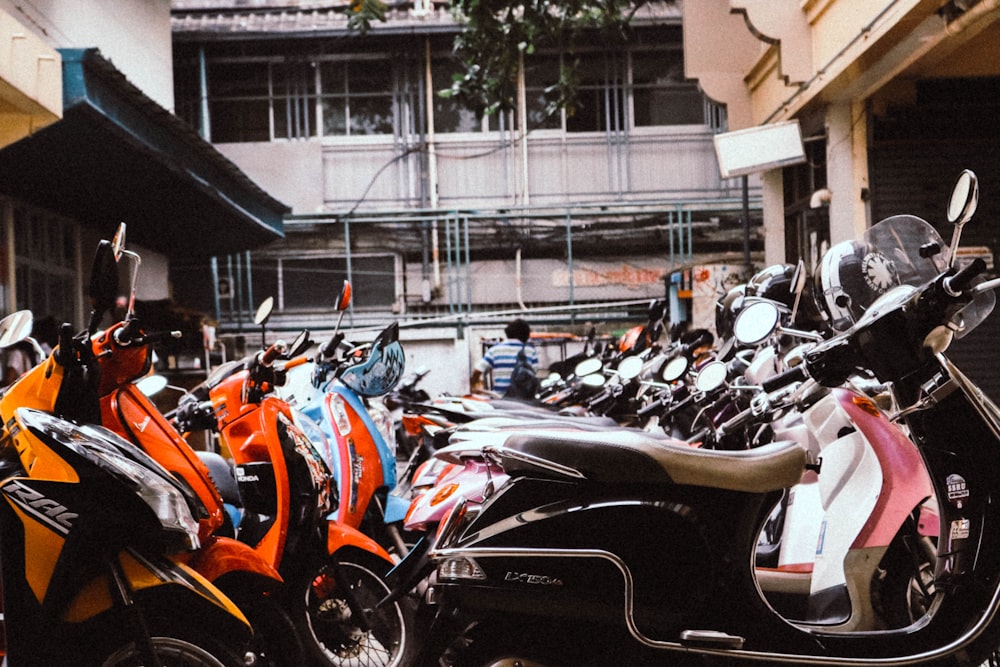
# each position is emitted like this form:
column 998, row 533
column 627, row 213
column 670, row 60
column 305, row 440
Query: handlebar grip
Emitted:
column 735, row 422
column 268, row 356
column 652, row 407
column 795, row 374
column 298, row 361
column 329, row 349
column 956, row 284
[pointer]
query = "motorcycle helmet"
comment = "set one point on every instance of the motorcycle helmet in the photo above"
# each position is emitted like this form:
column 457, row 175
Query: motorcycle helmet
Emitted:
column 774, row 283
column 849, row 278
column 379, row 373
column 727, row 307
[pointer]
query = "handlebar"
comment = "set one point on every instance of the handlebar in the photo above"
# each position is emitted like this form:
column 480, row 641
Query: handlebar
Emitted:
column 796, row 374
column 954, row 285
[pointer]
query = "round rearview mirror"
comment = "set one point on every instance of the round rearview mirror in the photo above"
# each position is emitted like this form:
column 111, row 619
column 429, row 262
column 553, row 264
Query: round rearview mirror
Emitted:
column 964, row 198
column 264, row 311
column 674, row 369
column 629, row 367
column 15, row 327
column 711, row 377
column 300, row 344
column 344, row 298
column 594, row 380
column 756, row 322
column 151, row 384
column 588, row 367
column 118, row 242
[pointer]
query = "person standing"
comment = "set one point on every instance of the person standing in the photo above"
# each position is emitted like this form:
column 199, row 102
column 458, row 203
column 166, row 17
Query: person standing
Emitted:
column 500, row 360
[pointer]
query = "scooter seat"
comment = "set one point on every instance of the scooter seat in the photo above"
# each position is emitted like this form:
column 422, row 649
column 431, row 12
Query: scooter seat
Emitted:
column 635, row 457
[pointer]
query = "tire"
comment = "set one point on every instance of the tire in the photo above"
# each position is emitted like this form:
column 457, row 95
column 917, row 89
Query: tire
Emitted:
column 276, row 641
column 904, row 583
column 329, row 628
column 173, row 652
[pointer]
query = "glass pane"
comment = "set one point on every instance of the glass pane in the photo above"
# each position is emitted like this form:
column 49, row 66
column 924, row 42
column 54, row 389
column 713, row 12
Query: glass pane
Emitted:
column 449, row 115
column 239, row 121
column 539, row 74
column 669, row 106
column 371, row 115
column 658, row 69
column 369, row 76
column 237, row 79
column 334, row 116
column 333, row 78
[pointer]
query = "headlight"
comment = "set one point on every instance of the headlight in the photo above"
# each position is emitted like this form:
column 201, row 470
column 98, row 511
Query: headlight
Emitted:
column 126, row 462
column 383, row 422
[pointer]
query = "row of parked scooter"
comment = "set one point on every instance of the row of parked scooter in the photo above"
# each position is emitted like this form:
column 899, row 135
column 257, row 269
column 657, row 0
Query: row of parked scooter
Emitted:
column 810, row 487
column 817, row 485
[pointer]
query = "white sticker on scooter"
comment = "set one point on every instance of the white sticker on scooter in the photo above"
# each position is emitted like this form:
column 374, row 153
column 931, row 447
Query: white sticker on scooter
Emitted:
column 960, row 529
column 958, row 491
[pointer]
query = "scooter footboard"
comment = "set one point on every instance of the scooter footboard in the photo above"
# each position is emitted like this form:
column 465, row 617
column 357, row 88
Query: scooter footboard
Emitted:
column 574, row 585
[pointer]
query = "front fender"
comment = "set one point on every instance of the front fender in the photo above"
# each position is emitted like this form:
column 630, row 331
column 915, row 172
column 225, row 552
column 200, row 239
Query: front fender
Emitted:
column 220, row 556
column 339, row 535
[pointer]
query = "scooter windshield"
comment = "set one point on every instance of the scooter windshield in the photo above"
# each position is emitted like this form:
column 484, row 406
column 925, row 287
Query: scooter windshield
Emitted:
column 905, row 250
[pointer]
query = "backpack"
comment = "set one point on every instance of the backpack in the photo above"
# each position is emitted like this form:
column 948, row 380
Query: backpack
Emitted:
column 523, row 381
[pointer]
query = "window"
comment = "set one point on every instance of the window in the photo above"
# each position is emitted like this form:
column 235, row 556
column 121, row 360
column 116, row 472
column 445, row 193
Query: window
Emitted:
column 46, row 266
column 357, row 97
column 238, row 101
column 449, row 114
column 600, row 97
column 540, row 74
column 293, row 91
column 310, row 283
column 266, row 97
column 660, row 94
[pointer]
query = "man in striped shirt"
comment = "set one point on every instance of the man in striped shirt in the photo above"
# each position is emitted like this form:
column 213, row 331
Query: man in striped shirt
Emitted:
column 500, row 359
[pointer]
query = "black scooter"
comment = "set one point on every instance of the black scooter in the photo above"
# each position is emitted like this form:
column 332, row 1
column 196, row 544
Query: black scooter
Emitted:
column 620, row 549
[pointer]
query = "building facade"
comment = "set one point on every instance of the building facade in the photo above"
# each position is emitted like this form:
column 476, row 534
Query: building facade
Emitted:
column 435, row 213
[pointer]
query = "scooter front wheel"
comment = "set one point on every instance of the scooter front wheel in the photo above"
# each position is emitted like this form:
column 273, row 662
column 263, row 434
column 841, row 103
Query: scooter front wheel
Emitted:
column 342, row 624
column 171, row 652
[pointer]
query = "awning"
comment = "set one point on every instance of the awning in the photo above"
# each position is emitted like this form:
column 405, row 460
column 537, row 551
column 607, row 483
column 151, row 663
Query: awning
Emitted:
column 117, row 156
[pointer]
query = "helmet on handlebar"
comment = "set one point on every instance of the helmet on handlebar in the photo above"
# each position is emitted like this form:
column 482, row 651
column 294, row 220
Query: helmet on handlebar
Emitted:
column 851, row 275
column 727, row 307
column 381, row 370
column 774, row 283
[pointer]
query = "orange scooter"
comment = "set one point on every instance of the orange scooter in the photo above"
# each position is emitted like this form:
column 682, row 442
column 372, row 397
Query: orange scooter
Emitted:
column 96, row 534
column 288, row 503
column 111, row 361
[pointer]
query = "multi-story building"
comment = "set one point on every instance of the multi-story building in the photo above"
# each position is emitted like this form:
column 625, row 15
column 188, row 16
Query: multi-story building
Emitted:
column 435, row 212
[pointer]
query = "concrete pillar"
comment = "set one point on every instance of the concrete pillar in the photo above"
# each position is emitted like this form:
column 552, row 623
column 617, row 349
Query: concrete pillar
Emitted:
column 847, row 170
column 773, row 196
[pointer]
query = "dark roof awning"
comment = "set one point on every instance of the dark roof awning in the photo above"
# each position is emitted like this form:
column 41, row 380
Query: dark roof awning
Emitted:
column 117, row 156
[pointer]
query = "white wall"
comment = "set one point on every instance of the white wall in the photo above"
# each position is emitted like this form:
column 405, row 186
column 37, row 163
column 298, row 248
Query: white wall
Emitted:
column 133, row 34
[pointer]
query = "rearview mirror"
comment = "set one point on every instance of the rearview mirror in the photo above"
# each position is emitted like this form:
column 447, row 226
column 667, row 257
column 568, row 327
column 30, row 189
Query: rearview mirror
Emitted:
column 711, row 377
column 263, row 313
column 15, row 327
column 344, row 298
column 630, row 367
column 588, row 367
column 300, row 344
column 674, row 369
column 964, row 198
column 756, row 322
column 103, row 282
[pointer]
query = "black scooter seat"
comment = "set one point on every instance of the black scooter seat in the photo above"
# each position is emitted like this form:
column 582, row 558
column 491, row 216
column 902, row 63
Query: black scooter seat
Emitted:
column 636, row 457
